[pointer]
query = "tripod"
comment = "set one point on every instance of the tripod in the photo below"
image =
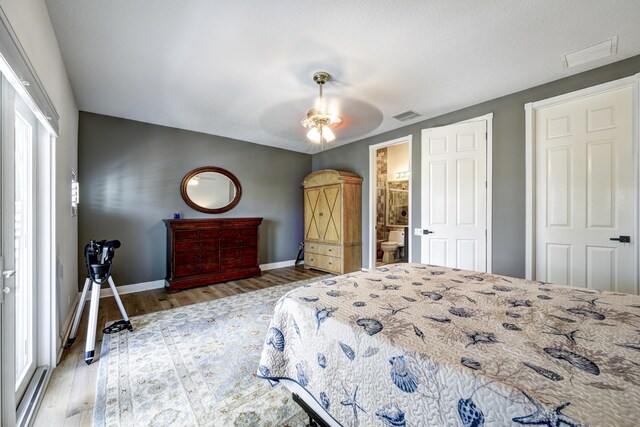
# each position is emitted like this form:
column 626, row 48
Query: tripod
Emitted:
column 99, row 258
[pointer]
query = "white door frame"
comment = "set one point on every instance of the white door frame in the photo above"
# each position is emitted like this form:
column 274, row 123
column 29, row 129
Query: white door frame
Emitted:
column 489, row 237
column 372, row 195
column 46, row 268
column 530, row 169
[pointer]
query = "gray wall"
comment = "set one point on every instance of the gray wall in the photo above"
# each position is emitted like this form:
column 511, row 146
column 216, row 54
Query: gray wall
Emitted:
column 130, row 174
column 508, row 161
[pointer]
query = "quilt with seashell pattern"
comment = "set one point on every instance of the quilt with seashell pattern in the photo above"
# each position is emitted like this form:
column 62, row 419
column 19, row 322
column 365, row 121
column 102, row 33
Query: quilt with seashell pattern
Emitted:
column 420, row 345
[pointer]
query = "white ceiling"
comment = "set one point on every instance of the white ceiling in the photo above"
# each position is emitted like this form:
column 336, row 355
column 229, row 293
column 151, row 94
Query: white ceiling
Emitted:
column 242, row 68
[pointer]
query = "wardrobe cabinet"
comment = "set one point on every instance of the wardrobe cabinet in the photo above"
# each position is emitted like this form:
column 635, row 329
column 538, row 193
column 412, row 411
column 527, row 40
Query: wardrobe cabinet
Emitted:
column 333, row 221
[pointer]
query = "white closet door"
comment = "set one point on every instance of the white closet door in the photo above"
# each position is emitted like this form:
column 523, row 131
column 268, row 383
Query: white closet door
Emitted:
column 454, row 194
column 585, row 192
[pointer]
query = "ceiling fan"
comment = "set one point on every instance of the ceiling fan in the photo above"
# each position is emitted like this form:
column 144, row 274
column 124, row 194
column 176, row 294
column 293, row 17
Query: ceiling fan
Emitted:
column 318, row 120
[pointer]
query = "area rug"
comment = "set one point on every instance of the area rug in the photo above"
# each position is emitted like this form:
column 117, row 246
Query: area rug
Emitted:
column 194, row 366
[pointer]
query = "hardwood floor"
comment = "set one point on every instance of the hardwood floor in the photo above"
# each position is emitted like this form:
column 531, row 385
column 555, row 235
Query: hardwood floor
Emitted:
column 70, row 395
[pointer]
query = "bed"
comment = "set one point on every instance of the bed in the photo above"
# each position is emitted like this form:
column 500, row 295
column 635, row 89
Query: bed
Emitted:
column 420, row 345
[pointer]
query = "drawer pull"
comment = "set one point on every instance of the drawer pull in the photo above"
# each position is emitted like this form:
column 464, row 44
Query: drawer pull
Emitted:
column 320, row 214
column 330, row 250
column 198, row 269
column 197, row 257
column 330, row 263
column 312, row 259
column 198, row 244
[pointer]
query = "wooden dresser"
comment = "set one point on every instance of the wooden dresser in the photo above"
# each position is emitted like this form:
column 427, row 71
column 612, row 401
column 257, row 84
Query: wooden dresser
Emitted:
column 333, row 221
column 205, row 251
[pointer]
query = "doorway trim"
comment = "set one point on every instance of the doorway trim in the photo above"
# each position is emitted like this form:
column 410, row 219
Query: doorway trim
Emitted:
column 489, row 212
column 530, row 166
column 372, row 196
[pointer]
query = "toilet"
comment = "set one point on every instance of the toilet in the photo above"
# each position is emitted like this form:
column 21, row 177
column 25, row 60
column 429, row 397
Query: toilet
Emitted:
column 390, row 247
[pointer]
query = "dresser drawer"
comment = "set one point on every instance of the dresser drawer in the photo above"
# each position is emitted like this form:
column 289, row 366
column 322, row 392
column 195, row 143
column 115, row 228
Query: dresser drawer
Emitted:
column 322, row 262
column 208, row 234
column 237, row 241
column 193, row 269
column 237, row 263
column 239, row 232
column 238, row 253
column 319, row 248
column 195, row 245
column 185, row 235
column 196, row 256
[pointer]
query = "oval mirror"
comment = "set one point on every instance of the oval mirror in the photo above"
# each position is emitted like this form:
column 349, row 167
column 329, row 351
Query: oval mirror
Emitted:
column 211, row 189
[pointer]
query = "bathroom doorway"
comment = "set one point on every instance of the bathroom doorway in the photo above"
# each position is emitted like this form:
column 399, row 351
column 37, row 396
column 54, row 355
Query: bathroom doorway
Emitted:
column 390, row 202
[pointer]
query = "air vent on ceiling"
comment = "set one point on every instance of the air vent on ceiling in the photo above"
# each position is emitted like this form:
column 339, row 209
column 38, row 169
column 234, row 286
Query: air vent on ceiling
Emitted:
column 406, row 116
column 591, row 53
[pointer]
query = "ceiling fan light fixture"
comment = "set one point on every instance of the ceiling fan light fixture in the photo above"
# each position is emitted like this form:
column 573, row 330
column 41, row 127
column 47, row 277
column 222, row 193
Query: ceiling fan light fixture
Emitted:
column 314, row 135
column 318, row 121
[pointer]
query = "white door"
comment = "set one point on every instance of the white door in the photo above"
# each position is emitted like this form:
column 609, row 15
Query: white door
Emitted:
column 454, row 195
column 19, row 126
column 585, row 192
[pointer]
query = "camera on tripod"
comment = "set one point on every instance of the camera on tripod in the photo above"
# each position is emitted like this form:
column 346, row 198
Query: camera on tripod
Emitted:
column 98, row 256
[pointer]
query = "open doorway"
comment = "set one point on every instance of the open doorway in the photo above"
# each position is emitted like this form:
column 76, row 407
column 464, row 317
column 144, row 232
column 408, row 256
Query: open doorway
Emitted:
column 390, row 202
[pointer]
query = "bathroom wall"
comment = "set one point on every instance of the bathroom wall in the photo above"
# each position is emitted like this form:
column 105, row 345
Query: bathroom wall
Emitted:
column 381, row 178
column 397, row 160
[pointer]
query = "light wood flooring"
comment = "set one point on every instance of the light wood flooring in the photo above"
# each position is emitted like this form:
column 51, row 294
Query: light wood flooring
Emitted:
column 69, row 398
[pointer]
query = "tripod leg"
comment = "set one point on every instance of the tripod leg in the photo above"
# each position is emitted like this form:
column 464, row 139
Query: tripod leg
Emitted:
column 119, row 302
column 90, row 346
column 79, row 310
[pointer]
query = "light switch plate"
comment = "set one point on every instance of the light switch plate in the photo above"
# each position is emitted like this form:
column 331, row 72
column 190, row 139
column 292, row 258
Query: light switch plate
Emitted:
column 417, row 231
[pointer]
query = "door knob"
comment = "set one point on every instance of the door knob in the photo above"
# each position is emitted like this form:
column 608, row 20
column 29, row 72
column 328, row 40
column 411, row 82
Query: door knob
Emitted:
column 427, row 232
column 8, row 273
column 6, row 290
column 622, row 239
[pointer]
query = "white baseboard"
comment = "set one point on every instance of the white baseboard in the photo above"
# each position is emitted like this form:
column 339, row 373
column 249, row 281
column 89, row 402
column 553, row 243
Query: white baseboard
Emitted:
column 157, row 284
column 274, row 265
column 130, row 289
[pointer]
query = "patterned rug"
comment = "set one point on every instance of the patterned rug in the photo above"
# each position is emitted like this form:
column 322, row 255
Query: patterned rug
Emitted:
column 194, row 366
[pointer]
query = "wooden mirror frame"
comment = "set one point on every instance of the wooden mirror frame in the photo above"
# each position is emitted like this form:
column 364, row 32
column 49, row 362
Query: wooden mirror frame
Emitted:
column 192, row 204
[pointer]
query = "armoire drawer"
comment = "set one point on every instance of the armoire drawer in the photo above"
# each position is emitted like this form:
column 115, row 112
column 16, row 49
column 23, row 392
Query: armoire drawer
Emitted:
column 191, row 269
column 322, row 249
column 323, row 262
